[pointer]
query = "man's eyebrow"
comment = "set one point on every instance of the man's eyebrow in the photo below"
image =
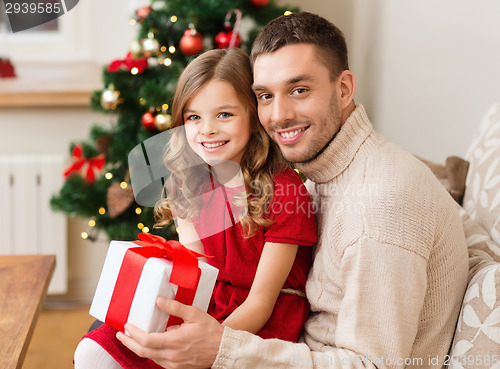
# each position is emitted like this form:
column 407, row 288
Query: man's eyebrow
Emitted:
column 291, row 81
column 299, row 78
column 258, row 87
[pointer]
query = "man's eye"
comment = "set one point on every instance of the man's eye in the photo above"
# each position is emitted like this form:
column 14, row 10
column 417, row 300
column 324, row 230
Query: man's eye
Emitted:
column 224, row 115
column 265, row 96
column 299, row 91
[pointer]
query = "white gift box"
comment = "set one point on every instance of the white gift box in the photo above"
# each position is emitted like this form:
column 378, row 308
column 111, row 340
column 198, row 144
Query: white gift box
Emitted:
column 153, row 282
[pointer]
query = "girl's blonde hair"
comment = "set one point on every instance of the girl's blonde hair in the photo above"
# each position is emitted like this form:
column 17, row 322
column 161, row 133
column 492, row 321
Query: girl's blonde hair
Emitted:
column 260, row 160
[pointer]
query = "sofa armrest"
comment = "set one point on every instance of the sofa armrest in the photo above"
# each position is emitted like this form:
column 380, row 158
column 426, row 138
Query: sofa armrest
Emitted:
column 479, row 243
column 477, row 338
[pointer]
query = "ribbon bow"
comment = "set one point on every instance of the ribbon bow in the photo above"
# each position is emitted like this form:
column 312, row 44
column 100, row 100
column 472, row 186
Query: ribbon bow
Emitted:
column 185, row 274
column 93, row 164
column 183, row 259
column 128, row 63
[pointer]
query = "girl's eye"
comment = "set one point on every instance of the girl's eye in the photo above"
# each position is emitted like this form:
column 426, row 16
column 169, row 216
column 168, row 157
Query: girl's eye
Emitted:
column 224, row 115
column 193, row 118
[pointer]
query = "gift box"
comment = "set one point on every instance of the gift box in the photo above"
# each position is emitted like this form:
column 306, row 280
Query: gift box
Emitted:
column 136, row 273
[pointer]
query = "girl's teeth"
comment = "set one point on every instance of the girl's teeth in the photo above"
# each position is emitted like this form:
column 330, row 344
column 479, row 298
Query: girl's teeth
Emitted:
column 292, row 133
column 212, row 145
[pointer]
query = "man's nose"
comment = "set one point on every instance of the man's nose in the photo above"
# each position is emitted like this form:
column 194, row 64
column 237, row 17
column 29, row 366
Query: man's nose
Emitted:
column 282, row 110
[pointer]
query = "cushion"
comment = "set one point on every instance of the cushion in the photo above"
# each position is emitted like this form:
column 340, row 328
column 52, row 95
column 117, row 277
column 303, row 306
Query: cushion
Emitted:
column 477, row 338
column 452, row 175
column 482, row 193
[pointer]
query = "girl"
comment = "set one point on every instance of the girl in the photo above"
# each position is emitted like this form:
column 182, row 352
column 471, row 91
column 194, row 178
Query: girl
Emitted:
column 257, row 223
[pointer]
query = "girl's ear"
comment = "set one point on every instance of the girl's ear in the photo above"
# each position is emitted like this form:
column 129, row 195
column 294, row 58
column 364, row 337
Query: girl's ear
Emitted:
column 346, row 87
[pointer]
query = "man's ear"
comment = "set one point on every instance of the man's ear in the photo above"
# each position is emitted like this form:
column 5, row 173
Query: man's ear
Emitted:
column 347, row 88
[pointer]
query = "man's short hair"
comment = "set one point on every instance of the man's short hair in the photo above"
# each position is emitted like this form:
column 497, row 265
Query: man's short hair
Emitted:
column 306, row 28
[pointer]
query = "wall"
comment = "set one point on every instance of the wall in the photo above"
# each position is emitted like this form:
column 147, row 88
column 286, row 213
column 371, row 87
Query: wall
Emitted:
column 49, row 130
column 111, row 35
column 437, row 72
column 426, row 72
column 96, row 32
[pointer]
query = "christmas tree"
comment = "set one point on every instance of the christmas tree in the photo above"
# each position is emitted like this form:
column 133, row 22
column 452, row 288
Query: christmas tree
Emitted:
column 137, row 95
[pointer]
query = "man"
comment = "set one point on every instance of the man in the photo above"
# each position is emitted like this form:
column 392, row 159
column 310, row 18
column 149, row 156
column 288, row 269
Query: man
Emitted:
column 391, row 264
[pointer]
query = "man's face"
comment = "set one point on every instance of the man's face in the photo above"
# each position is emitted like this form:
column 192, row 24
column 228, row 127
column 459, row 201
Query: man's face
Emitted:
column 297, row 101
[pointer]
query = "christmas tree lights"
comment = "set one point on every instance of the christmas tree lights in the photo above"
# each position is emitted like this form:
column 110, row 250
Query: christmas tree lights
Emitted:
column 137, row 94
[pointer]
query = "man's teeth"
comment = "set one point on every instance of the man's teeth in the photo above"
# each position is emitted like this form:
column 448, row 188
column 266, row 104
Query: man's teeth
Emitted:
column 291, row 133
column 212, row 145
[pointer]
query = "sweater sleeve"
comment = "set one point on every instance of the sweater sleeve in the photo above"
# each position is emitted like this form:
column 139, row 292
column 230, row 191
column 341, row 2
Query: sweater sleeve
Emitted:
column 377, row 319
column 384, row 291
column 240, row 349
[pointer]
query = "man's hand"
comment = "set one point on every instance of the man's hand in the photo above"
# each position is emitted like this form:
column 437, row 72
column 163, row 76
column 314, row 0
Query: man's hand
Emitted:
column 193, row 344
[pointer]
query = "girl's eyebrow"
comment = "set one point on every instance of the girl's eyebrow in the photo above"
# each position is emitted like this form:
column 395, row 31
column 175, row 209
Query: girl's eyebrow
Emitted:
column 222, row 107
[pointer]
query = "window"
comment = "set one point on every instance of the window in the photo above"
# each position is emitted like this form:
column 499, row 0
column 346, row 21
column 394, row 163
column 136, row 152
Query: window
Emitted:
column 61, row 39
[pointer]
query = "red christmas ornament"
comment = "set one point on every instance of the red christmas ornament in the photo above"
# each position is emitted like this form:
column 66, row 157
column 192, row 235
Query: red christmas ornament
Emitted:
column 143, row 13
column 228, row 38
column 259, row 3
column 192, row 42
column 148, row 121
column 223, row 39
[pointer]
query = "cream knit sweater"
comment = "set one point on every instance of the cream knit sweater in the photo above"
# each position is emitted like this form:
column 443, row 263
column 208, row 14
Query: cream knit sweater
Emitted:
column 390, row 267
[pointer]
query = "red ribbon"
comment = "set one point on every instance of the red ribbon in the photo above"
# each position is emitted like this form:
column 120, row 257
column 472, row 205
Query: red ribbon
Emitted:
column 128, row 63
column 93, row 164
column 185, row 274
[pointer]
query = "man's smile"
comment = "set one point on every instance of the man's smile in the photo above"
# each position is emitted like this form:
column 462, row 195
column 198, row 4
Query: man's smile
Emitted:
column 291, row 135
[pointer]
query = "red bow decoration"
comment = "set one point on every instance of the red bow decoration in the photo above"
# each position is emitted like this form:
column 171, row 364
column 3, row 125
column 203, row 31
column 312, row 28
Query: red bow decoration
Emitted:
column 128, row 63
column 185, row 274
column 6, row 68
column 93, row 164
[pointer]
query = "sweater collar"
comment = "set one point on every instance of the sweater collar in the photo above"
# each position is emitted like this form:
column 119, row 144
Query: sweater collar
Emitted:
column 341, row 150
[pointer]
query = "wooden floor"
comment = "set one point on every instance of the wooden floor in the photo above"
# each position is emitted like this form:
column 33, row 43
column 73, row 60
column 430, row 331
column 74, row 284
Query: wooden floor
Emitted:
column 56, row 336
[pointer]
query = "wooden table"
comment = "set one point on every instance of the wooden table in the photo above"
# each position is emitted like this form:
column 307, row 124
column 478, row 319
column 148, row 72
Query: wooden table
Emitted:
column 23, row 285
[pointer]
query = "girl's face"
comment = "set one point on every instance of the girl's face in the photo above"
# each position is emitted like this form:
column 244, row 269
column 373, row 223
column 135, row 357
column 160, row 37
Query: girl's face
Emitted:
column 217, row 124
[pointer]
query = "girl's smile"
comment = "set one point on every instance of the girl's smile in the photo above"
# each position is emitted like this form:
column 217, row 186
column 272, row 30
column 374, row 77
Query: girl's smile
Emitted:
column 213, row 146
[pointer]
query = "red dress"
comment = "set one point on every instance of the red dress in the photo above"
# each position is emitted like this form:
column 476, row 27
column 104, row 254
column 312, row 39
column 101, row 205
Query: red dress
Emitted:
column 237, row 259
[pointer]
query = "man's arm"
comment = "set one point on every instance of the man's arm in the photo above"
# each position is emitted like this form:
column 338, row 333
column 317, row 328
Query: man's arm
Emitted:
column 199, row 343
column 377, row 323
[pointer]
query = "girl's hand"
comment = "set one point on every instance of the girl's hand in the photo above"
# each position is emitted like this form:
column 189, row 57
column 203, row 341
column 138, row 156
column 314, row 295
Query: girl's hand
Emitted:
column 193, row 344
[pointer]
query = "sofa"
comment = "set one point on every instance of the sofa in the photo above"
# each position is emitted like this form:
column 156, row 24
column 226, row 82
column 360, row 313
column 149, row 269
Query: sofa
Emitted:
column 474, row 183
column 476, row 343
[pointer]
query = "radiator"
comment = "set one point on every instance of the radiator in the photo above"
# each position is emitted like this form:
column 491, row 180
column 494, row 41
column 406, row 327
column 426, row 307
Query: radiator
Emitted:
column 27, row 224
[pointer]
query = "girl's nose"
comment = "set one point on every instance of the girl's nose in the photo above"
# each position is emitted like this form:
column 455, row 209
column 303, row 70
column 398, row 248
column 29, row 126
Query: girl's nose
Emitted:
column 208, row 127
